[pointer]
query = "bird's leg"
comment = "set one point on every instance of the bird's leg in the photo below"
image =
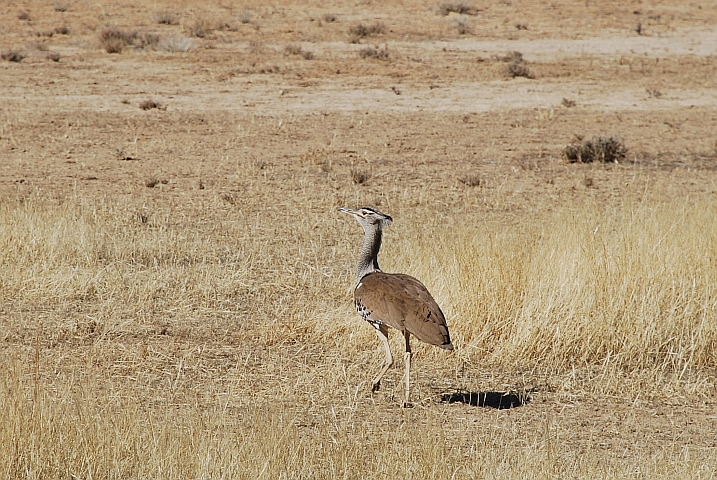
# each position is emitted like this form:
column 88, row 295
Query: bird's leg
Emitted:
column 407, row 359
column 382, row 332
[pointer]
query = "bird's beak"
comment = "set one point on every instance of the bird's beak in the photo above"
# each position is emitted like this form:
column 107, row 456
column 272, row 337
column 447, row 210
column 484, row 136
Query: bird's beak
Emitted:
column 347, row 210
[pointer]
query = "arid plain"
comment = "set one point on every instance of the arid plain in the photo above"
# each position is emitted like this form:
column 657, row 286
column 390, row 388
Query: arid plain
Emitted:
column 176, row 282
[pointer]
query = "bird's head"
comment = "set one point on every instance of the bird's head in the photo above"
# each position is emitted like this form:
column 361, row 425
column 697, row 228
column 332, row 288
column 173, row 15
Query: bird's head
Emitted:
column 368, row 217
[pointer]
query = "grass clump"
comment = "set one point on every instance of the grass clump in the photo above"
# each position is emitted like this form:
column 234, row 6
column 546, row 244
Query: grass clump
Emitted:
column 12, row 56
column 357, row 32
column 360, row 176
column 294, row 49
column 517, row 66
column 166, row 17
column 598, row 149
column 461, row 8
column 376, row 53
column 175, row 44
column 149, row 104
column 115, row 40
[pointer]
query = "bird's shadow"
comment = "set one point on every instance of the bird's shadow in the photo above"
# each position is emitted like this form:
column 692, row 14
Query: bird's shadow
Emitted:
column 499, row 400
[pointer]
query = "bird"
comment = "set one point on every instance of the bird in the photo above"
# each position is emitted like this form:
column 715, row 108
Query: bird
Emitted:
column 393, row 300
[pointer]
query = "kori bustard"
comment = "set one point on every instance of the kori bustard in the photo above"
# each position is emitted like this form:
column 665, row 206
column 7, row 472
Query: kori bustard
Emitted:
column 393, row 299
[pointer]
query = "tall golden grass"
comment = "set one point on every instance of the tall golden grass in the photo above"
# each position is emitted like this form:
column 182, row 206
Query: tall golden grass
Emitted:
column 161, row 346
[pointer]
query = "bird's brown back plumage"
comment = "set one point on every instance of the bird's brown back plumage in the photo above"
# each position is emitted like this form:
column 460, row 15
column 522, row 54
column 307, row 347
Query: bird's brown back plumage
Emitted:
column 402, row 302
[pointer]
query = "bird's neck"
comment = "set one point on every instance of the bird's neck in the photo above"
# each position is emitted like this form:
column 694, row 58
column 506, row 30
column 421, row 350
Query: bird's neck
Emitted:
column 368, row 258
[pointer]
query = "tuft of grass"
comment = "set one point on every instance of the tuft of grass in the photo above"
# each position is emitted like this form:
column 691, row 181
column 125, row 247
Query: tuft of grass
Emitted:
column 23, row 16
column 598, row 149
column 149, row 104
column 294, row 49
column 175, row 44
column 519, row 69
column 375, row 53
column 246, row 16
column 568, row 103
column 462, row 25
column 166, row 16
column 115, row 40
column 472, row 180
column 12, row 55
column 59, row 7
column 517, row 66
column 462, row 8
column 359, row 31
column 360, row 176
column 53, row 56
column 62, row 30
column 329, row 17
column 521, row 26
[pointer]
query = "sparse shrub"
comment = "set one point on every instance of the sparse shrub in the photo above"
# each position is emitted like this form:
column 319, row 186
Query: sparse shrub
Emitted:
column 598, row 149
column 59, row 7
column 245, row 16
column 293, row 49
column 147, row 40
column 54, row 56
column 519, row 69
column 165, row 16
column 12, row 56
column 23, row 16
column 509, row 57
column 462, row 8
column 62, row 30
column 360, row 177
column 357, row 32
column 471, row 180
column 328, row 17
column 378, row 54
column 149, row 104
column 114, row 40
column 462, row 25
column 201, row 28
column 521, row 26
column 175, row 44
column 568, row 103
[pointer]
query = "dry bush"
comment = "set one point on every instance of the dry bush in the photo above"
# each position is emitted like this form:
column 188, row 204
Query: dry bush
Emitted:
column 461, row 8
column 149, row 104
column 359, row 31
column 23, row 16
column 519, row 69
column 115, row 40
column 598, row 149
column 566, row 102
column 472, row 180
column 511, row 57
column 360, row 176
column 204, row 26
column 329, row 17
column 245, row 16
column 175, row 44
column 59, row 7
column 53, row 56
column 12, row 56
column 293, row 49
column 462, row 25
column 62, row 30
column 378, row 54
column 166, row 16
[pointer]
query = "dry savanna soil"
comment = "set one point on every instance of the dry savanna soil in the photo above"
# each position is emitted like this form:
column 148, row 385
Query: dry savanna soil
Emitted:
column 176, row 282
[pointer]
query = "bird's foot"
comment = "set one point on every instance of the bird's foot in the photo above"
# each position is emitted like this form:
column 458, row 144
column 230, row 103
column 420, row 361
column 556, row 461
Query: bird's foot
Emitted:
column 375, row 386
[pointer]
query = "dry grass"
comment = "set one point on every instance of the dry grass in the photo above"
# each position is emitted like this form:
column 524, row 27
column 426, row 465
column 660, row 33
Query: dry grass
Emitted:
column 462, row 8
column 166, row 16
column 375, row 53
column 115, row 40
column 12, row 56
column 598, row 149
column 148, row 348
